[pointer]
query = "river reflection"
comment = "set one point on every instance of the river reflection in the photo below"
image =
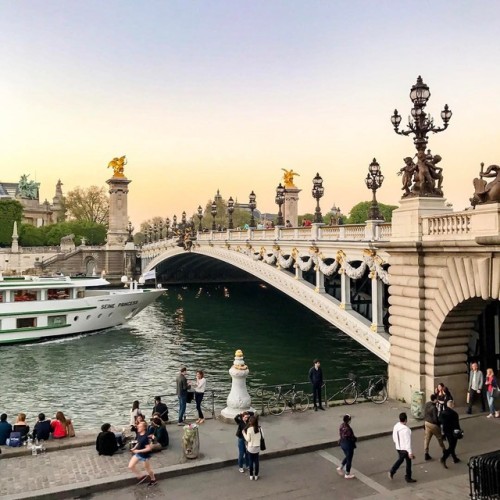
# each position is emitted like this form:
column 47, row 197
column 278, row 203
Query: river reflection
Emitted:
column 95, row 378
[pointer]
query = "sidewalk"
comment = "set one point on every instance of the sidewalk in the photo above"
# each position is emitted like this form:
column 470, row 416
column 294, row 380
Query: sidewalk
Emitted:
column 78, row 470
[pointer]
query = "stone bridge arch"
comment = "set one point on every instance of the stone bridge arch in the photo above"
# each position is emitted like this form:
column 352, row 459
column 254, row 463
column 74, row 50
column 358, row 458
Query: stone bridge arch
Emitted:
column 435, row 301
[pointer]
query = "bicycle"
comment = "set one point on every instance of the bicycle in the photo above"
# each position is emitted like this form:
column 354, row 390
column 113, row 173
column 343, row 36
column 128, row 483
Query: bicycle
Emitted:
column 376, row 391
column 296, row 400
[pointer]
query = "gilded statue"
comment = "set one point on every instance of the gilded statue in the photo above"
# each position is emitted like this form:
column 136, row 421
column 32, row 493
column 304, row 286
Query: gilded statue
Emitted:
column 486, row 192
column 117, row 165
column 288, row 178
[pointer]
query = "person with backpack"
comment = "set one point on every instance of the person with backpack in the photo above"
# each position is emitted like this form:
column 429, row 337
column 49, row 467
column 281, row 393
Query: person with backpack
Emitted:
column 5, row 428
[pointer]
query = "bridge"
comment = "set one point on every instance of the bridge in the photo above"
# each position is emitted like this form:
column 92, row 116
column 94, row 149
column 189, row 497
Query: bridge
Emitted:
column 412, row 292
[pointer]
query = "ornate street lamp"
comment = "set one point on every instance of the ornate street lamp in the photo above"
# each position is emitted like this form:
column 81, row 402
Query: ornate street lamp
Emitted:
column 420, row 124
column 230, row 211
column 155, row 231
column 200, row 216
column 167, row 226
column 183, row 218
column 252, row 205
column 149, row 234
column 280, row 199
column 373, row 181
column 318, row 191
column 130, row 230
column 213, row 211
column 160, row 228
column 174, row 223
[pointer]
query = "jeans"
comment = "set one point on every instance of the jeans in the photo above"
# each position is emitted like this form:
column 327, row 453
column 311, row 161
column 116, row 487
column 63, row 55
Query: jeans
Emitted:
column 242, row 454
column 402, row 457
column 182, row 407
column 198, row 397
column 317, row 395
column 491, row 402
column 348, row 449
column 254, row 463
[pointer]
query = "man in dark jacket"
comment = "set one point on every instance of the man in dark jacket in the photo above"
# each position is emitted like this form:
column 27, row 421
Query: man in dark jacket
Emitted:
column 106, row 441
column 451, row 425
column 431, row 425
column 42, row 428
column 5, row 428
column 161, row 409
column 316, row 379
column 182, row 391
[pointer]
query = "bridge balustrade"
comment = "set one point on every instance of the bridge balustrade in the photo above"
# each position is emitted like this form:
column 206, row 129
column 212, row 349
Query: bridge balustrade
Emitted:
column 449, row 226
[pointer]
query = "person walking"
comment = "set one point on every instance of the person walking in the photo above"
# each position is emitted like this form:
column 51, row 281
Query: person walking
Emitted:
column 142, row 453
column 451, row 429
column 347, row 443
column 242, row 421
column 475, row 388
column 401, row 435
column 431, row 425
column 252, row 435
column 199, row 392
column 182, row 390
column 316, row 379
column 491, row 385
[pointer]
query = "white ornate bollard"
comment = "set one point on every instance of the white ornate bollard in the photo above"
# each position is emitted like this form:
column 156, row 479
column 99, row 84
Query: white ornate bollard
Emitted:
column 238, row 399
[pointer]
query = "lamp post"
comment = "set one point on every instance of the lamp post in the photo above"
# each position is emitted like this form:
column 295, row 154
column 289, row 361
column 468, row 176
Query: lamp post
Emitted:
column 420, row 124
column 174, row 224
column 160, row 229
column 317, row 191
column 230, row 211
column 252, row 205
column 213, row 211
column 130, row 230
column 167, row 227
column 373, row 181
column 148, row 234
column 155, row 231
column 280, row 199
column 200, row 216
column 183, row 218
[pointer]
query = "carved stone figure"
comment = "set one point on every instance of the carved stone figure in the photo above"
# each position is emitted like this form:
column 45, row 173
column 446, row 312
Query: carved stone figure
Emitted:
column 288, row 178
column 486, row 192
column 424, row 178
column 28, row 189
column 117, row 165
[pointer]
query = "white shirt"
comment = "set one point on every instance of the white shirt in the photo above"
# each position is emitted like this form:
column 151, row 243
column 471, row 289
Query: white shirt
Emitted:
column 201, row 383
column 401, row 435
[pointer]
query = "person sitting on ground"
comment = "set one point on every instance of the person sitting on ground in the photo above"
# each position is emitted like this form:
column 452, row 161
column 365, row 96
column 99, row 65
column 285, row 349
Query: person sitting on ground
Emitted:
column 59, row 426
column 42, row 428
column 21, row 426
column 160, row 408
column 106, row 442
column 5, row 428
column 134, row 413
column 158, row 431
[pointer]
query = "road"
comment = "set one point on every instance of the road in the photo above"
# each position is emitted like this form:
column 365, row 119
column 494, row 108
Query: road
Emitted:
column 314, row 475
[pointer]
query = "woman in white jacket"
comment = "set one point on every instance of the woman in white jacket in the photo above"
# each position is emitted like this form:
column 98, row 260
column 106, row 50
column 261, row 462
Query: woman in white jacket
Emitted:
column 252, row 435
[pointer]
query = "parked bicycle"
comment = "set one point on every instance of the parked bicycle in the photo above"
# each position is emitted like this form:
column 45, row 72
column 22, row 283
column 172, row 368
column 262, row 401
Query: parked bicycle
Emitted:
column 295, row 400
column 376, row 390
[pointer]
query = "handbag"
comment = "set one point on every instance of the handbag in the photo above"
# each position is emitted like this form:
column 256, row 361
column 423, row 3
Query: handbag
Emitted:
column 495, row 392
column 262, row 441
column 458, row 433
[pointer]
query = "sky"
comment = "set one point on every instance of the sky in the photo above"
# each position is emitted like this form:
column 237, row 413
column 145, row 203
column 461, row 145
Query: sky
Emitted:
column 207, row 95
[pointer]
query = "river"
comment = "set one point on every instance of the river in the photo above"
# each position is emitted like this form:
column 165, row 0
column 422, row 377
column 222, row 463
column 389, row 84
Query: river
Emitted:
column 94, row 378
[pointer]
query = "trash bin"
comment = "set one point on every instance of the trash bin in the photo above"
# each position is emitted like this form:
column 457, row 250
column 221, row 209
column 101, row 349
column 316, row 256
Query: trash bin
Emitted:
column 191, row 441
column 417, row 405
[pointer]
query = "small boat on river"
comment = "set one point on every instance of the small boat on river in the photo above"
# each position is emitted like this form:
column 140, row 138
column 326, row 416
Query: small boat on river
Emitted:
column 34, row 308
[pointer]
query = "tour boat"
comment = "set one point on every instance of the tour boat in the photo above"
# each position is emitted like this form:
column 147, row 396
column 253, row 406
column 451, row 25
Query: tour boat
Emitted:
column 36, row 308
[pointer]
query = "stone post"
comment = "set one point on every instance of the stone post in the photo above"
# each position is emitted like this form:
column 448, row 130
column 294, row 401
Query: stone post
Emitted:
column 238, row 399
column 118, row 212
column 345, row 290
column 290, row 211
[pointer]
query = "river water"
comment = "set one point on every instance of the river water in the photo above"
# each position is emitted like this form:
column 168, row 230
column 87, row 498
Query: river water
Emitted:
column 95, row 378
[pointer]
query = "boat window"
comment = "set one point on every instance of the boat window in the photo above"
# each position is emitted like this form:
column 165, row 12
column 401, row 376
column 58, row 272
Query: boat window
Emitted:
column 26, row 322
column 80, row 294
column 58, row 294
column 1, row 296
column 25, row 295
column 56, row 320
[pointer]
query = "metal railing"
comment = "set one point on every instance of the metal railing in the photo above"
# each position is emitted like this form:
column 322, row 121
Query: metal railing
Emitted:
column 212, row 402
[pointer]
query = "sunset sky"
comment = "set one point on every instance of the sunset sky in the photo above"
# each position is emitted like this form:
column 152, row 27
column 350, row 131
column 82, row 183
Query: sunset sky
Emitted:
column 207, row 95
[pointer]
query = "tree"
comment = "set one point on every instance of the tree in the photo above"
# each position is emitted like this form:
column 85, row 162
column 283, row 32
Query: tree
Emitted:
column 10, row 211
column 359, row 212
column 31, row 236
column 87, row 204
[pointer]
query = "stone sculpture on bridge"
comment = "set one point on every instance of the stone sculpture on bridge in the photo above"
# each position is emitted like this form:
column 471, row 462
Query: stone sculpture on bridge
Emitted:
column 486, row 192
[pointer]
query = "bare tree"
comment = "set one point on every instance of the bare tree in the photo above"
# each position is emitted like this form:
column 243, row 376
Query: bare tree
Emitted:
column 88, row 204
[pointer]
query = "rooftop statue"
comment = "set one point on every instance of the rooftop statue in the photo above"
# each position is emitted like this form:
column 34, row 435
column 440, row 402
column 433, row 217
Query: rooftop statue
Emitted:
column 28, row 189
column 288, row 178
column 486, row 192
column 117, row 165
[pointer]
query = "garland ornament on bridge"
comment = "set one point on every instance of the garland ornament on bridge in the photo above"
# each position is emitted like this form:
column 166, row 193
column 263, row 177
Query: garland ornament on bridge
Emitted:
column 420, row 179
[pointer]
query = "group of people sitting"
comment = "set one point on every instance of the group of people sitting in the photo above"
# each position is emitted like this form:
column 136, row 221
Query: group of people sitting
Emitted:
column 109, row 440
column 19, row 432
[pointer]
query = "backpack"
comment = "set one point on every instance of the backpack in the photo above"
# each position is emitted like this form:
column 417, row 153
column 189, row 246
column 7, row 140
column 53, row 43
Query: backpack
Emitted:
column 15, row 440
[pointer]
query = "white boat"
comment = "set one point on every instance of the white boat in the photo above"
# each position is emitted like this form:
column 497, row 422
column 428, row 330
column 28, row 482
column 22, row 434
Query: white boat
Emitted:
column 40, row 308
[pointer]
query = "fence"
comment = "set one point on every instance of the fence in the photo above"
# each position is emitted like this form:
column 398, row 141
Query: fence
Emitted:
column 484, row 476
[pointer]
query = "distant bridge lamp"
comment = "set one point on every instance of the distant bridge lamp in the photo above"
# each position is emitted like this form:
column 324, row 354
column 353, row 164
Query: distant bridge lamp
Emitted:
column 155, row 231
column 160, row 229
column 374, row 180
column 200, row 216
column 183, row 218
column 230, row 211
column 167, row 227
column 252, row 204
column 280, row 199
column 174, row 223
column 213, row 211
column 318, row 191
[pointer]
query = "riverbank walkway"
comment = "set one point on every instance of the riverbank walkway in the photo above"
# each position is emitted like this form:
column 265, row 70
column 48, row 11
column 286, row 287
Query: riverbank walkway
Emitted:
column 76, row 470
